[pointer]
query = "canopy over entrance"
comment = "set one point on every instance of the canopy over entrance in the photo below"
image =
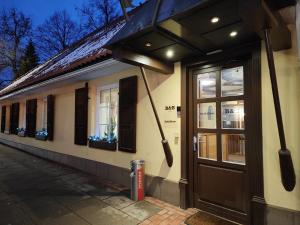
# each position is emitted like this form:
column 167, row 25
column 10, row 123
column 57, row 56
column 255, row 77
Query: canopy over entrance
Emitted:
column 166, row 31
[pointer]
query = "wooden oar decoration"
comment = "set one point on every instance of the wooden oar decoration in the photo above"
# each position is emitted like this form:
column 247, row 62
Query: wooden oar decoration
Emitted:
column 288, row 177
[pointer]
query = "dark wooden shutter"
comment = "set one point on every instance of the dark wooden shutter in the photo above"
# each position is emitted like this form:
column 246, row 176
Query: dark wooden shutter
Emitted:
column 127, row 114
column 31, row 106
column 3, row 118
column 14, row 118
column 81, row 116
column 50, row 117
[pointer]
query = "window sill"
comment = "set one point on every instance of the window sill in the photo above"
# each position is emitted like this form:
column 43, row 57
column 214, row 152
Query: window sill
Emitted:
column 103, row 145
column 41, row 137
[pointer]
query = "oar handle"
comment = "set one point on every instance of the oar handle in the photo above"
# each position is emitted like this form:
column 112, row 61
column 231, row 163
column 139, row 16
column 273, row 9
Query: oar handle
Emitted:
column 275, row 89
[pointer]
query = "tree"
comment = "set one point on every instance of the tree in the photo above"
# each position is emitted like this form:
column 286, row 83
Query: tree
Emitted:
column 29, row 60
column 98, row 13
column 15, row 28
column 55, row 34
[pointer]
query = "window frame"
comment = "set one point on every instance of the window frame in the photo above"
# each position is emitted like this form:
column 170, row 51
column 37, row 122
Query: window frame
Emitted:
column 97, row 117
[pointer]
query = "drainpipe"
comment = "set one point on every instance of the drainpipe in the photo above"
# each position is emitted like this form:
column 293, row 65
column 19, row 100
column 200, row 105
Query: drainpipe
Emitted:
column 288, row 177
column 165, row 143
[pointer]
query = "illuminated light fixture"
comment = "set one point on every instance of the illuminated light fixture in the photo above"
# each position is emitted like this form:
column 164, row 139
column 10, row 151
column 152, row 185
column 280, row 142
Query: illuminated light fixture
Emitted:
column 233, row 33
column 170, row 54
column 215, row 19
column 148, row 44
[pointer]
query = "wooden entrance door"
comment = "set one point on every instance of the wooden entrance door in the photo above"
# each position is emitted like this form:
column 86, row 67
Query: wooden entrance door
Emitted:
column 220, row 147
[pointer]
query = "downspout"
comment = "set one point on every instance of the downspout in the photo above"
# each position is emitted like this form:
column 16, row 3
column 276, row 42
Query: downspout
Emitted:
column 165, row 143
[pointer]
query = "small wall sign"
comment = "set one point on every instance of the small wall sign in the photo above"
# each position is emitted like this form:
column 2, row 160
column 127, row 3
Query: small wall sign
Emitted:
column 170, row 116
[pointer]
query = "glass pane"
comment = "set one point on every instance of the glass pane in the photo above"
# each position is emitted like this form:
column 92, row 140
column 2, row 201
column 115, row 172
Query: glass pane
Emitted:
column 103, row 115
column 233, row 148
column 207, row 115
column 103, row 131
column 207, row 146
column 114, row 93
column 206, row 85
column 233, row 114
column 105, row 96
column 232, row 81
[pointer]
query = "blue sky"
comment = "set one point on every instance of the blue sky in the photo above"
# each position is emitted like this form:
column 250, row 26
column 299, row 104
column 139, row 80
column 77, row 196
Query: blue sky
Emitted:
column 39, row 10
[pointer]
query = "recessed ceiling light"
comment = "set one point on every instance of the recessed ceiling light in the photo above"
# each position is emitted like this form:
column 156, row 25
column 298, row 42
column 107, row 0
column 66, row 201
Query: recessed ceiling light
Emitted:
column 215, row 19
column 170, row 53
column 148, row 44
column 233, row 33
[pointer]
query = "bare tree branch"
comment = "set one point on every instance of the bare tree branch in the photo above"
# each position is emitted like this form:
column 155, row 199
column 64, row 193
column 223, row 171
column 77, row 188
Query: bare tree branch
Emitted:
column 56, row 33
column 98, row 13
column 15, row 28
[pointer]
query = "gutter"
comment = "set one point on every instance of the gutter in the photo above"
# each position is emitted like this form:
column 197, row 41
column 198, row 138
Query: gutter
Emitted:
column 101, row 65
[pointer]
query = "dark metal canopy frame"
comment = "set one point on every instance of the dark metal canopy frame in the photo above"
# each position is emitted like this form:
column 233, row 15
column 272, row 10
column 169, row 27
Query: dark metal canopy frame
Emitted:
column 162, row 32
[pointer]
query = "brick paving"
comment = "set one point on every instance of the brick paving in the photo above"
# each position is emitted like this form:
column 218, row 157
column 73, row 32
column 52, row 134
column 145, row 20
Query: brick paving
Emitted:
column 34, row 191
column 169, row 215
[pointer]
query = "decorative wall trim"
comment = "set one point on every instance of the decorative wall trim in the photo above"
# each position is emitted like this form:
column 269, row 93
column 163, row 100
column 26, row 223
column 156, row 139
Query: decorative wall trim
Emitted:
column 157, row 187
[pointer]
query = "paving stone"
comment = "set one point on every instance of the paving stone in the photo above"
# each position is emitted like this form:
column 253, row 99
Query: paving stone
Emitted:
column 104, row 192
column 142, row 210
column 118, row 202
column 43, row 208
column 13, row 214
column 69, row 219
column 87, row 207
column 110, row 216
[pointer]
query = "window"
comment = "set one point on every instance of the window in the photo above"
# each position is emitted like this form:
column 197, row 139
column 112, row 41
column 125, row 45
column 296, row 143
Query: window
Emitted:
column 107, row 113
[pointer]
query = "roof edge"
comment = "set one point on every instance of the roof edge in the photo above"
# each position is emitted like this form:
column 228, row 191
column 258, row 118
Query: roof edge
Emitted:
column 100, row 65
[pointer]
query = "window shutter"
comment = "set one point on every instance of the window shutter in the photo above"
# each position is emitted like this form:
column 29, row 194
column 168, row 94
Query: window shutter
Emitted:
column 3, row 118
column 31, row 106
column 127, row 114
column 14, row 118
column 81, row 116
column 50, row 117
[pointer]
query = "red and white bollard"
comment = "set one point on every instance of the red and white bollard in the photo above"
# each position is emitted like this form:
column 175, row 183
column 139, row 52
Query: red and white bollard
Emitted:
column 137, row 180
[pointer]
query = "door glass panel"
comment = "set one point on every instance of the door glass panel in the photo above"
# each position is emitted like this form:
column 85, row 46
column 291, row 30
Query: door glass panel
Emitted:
column 206, row 85
column 232, row 81
column 207, row 115
column 233, row 115
column 233, row 148
column 207, row 146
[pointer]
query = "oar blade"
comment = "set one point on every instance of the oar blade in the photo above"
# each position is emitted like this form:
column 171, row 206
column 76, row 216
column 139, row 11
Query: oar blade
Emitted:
column 288, row 176
column 168, row 153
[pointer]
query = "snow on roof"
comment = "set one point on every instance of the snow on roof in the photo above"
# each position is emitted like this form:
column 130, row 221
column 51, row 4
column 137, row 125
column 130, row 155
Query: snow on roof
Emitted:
column 83, row 52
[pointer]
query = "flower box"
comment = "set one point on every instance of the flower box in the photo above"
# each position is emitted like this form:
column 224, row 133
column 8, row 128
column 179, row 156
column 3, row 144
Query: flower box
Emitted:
column 21, row 133
column 112, row 146
column 41, row 137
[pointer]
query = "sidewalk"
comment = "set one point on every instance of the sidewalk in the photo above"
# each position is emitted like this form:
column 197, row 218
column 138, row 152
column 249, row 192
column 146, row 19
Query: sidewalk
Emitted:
column 34, row 191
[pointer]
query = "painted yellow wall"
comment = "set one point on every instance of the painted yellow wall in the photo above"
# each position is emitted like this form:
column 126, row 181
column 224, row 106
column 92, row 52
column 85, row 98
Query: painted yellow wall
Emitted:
column 288, row 75
column 166, row 91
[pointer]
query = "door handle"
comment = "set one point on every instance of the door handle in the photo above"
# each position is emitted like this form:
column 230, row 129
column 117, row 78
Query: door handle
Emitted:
column 195, row 144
